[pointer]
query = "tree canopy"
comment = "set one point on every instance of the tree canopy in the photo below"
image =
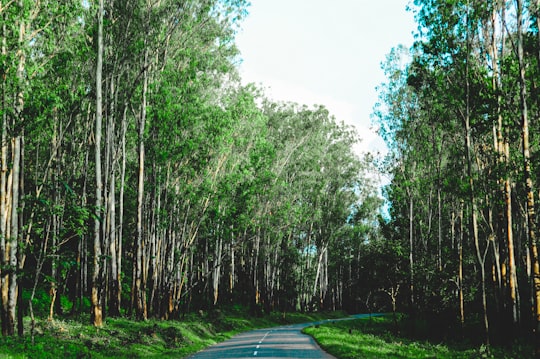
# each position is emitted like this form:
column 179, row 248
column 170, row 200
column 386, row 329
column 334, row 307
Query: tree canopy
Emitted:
column 140, row 178
column 459, row 114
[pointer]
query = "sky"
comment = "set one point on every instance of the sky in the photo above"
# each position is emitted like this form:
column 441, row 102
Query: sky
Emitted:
column 321, row 52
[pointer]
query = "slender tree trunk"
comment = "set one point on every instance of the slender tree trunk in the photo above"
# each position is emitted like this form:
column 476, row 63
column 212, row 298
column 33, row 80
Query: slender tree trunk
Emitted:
column 3, row 194
column 114, row 303
column 232, row 277
column 111, row 231
column 155, row 243
column 96, row 300
column 439, row 209
column 255, row 264
column 121, row 205
column 513, row 284
column 460, row 271
column 12, row 193
column 217, row 267
column 502, row 148
column 472, row 194
column 411, row 251
column 14, row 236
column 140, row 285
column 21, row 254
column 55, row 225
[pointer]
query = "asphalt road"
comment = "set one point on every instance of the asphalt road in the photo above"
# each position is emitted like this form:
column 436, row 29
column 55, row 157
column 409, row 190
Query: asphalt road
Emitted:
column 279, row 342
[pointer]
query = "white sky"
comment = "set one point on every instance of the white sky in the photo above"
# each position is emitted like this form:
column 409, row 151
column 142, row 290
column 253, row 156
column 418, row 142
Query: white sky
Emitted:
column 324, row 52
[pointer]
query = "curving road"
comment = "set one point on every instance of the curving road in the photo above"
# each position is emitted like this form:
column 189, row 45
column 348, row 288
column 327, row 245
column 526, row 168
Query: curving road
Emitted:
column 279, row 342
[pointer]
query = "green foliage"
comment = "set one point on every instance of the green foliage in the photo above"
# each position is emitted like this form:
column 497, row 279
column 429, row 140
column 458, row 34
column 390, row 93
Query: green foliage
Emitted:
column 40, row 304
column 373, row 338
column 241, row 195
column 122, row 338
column 451, row 115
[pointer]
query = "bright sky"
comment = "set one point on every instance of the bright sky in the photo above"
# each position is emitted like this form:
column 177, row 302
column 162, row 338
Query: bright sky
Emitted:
column 324, row 52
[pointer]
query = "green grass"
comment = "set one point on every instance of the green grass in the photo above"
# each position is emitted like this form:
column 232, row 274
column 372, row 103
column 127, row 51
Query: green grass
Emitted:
column 124, row 338
column 373, row 338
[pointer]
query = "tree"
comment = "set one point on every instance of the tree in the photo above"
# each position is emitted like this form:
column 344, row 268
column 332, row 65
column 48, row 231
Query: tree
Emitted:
column 461, row 88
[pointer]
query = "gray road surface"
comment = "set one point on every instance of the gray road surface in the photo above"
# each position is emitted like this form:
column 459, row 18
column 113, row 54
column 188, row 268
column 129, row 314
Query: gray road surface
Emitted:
column 279, row 342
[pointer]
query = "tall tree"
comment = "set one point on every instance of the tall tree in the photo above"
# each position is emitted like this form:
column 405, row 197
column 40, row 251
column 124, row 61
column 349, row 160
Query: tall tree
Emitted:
column 97, row 276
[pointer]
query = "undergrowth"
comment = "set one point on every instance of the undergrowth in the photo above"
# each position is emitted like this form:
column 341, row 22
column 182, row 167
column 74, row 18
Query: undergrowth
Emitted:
column 125, row 338
column 376, row 337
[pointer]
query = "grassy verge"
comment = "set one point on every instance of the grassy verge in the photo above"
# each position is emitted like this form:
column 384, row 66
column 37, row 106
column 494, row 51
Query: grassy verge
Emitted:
column 123, row 338
column 372, row 338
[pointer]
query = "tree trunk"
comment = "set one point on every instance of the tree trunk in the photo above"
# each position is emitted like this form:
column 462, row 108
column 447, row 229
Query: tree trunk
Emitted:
column 460, row 271
column 14, row 236
column 502, row 148
column 439, row 216
column 114, row 295
column 3, row 194
column 96, row 300
column 9, row 297
column 217, row 266
column 140, row 285
column 121, row 204
column 411, row 251
column 472, row 194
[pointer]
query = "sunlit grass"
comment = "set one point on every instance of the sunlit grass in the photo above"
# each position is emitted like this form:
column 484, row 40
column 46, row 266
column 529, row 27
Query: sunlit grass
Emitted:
column 124, row 338
column 355, row 339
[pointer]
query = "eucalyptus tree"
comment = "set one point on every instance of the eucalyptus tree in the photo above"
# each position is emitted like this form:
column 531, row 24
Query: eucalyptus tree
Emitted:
column 342, row 174
column 458, row 88
column 143, row 43
column 316, row 173
column 422, row 103
column 51, row 216
column 394, row 113
column 32, row 36
column 350, row 256
column 494, row 34
column 196, row 60
column 97, row 285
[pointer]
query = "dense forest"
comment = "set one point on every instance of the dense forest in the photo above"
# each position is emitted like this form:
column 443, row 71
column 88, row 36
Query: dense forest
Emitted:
column 460, row 112
column 140, row 178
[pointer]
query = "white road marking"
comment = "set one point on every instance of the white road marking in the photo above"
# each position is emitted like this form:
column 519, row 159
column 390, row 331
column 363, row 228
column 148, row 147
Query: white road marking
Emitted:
column 264, row 337
column 260, row 342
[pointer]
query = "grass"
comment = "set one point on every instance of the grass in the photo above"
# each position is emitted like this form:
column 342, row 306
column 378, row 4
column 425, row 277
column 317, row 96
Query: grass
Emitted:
column 372, row 338
column 124, row 338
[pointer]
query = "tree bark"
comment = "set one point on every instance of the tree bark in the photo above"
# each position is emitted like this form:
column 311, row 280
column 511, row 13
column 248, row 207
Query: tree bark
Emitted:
column 96, row 300
column 460, row 271
column 472, row 194
column 411, row 252
column 3, row 184
column 14, row 236
column 140, row 283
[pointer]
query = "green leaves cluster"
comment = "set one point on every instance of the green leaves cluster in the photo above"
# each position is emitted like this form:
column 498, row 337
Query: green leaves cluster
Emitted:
column 243, row 198
column 452, row 116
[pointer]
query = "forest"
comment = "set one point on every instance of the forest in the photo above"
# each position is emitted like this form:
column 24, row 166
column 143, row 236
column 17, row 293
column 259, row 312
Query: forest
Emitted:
column 139, row 178
column 459, row 113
